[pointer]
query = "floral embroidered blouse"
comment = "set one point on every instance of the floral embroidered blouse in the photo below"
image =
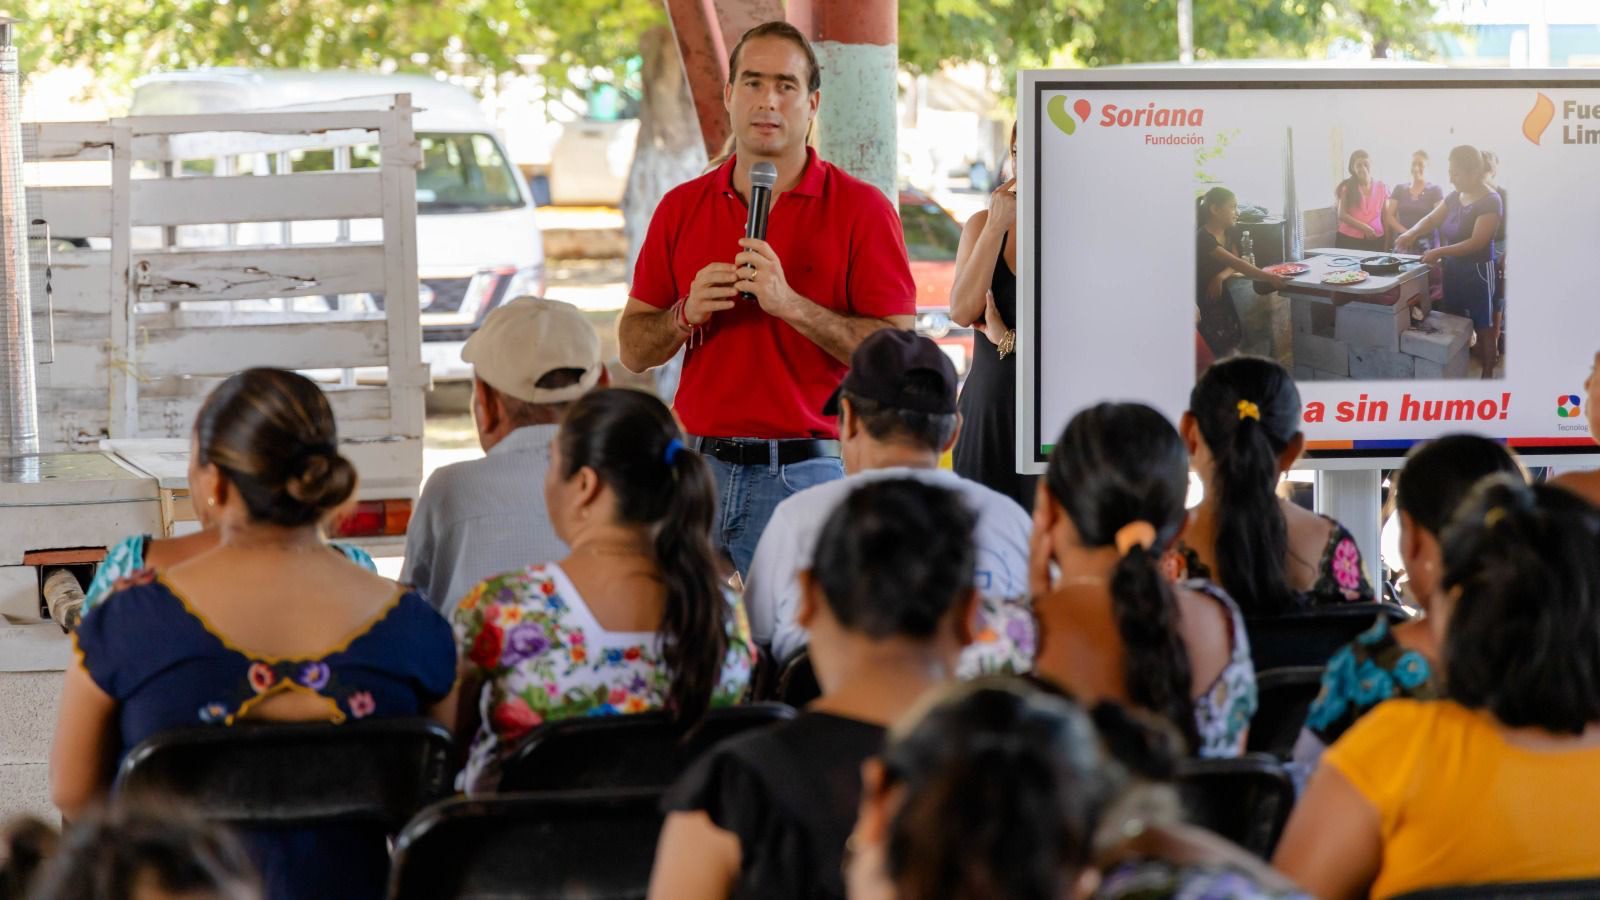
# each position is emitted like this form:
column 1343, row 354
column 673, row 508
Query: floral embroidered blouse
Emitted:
column 165, row 666
column 1341, row 577
column 541, row 655
column 1007, row 641
column 1369, row 670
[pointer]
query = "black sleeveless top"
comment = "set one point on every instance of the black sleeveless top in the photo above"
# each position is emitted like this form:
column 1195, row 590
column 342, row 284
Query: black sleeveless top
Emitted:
column 986, row 450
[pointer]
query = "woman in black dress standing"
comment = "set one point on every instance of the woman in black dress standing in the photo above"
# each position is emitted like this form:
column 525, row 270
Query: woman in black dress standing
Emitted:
column 984, row 297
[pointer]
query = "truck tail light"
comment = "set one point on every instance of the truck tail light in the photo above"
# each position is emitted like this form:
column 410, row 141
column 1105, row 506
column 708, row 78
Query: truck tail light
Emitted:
column 375, row 518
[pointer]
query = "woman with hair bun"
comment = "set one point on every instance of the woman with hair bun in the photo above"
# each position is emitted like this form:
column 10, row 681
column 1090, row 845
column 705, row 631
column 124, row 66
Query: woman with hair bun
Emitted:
column 269, row 625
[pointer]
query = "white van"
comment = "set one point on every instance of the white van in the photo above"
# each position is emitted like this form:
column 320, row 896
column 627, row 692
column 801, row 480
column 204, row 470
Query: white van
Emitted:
column 477, row 241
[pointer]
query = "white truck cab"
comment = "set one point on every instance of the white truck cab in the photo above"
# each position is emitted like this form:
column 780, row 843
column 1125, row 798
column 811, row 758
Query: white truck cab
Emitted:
column 478, row 244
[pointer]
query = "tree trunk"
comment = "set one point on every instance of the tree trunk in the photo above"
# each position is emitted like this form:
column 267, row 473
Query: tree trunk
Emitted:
column 670, row 150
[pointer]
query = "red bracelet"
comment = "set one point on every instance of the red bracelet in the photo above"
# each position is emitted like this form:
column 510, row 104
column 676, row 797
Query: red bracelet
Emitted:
column 680, row 318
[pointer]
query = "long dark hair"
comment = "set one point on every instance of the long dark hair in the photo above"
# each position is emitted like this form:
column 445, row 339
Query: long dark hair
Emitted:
column 631, row 441
column 272, row 435
column 1523, row 640
column 1117, row 464
column 1004, row 788
column 1350, row 189
column 1248, row 410
column 1440, row 473
column 1208, row 201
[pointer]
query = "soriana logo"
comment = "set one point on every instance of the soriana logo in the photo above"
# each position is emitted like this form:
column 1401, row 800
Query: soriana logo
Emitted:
column 1151, row 118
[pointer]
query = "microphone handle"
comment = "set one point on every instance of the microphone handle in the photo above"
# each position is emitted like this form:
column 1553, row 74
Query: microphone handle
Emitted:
column 756, row 225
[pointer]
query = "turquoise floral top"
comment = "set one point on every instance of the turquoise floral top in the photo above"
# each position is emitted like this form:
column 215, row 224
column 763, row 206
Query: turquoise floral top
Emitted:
column 1371, row 669
column 1007, row 641
column 541, row 655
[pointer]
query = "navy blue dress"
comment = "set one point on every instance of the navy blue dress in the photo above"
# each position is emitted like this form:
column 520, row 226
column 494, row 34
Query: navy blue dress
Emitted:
column 165, row 668
column 1469, row 280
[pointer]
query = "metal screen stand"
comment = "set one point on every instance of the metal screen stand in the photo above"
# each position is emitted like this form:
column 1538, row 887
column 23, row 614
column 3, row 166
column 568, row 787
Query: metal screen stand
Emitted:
column 1353, row 496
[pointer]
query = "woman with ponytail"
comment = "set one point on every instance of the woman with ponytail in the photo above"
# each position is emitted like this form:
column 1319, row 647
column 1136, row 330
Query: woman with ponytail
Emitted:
column 1113, row 626
column 1243, row 433
column 633, row 619
column 888, row 601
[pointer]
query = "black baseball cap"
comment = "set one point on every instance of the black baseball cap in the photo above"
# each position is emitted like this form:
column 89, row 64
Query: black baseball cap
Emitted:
column 879, row 370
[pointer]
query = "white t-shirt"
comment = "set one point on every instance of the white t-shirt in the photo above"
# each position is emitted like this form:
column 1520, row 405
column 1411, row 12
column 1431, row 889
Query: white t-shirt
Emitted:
column 772, row 594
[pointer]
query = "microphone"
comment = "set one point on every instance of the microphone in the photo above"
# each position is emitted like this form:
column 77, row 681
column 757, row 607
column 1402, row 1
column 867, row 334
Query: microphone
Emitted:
column 763, row 175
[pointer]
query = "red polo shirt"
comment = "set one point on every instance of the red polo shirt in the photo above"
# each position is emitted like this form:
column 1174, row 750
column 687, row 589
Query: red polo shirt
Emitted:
column 754, row 375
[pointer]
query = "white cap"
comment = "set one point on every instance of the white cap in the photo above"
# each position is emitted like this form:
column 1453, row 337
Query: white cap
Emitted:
column 526, row 339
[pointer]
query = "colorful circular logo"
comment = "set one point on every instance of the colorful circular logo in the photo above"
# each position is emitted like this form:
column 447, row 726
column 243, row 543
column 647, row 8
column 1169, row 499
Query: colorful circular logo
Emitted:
column 1568, row 406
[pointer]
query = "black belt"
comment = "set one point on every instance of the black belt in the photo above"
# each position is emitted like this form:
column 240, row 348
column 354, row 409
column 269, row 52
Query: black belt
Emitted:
column 759, row 453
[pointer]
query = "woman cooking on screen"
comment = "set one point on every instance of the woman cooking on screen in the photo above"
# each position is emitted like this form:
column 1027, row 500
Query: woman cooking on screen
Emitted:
column 1411, row 203
column 1467, row 221
column 1361, row 206
column 1217, row 260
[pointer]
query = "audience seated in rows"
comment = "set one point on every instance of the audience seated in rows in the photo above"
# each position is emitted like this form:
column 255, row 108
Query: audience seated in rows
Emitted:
column 887, row 602
column 1500, row 780
column 999, row 789
column 1384, row 662
column 897, row 413
column 633, row 618
column 1113, row 626
column 476, row 519
column 267, row 625
column 1587, row 484
column 148, row 854
column 1243, row 433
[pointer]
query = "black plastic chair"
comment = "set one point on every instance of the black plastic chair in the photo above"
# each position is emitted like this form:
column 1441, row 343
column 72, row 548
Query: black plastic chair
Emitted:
column 1286, row 697
column 1581, row 889
column 797, row 681
column 639, row 750
column 592, row 844
column 1308, row 637
column 380, row 771
column 1246, row 800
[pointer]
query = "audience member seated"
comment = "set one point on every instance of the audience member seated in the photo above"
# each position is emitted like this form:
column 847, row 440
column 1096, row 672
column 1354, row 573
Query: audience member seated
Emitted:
column 1113, row 626
column 531, row 358
column 633, row 618
column 1004, row 790
column 148, row 854
column 1500, row 781
column 1587, row 484
column 1384, row 662
column 1243, row 433
column 888, row 602
column 141, row 551
column 897, row 415
column 25, row 845
column 268, row 625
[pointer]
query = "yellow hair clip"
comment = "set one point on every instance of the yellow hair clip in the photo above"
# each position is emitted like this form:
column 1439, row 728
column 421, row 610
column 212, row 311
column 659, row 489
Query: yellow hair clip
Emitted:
column 1493, row 516
column 1248, row 410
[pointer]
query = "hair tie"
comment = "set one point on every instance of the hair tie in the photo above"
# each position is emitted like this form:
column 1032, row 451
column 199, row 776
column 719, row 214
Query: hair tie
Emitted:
column 1248, row 410
column 670, row 455
column 1135, row 534
column 1493, row 516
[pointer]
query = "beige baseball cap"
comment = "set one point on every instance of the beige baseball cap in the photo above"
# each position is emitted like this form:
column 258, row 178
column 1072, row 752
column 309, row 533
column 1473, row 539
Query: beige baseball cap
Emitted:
column 528, row 338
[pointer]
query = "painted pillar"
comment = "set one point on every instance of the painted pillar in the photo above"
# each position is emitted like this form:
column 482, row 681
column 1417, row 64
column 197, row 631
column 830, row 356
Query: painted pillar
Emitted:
column 856, row 42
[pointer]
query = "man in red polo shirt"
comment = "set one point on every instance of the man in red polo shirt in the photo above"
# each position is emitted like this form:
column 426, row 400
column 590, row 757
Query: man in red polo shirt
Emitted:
column 832, row 271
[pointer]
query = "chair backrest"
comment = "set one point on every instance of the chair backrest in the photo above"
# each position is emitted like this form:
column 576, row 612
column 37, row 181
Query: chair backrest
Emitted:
column 797, row 680
column 1246, row 800
column 1285, row 698
column 639, row 750
column 379, row 771
column 1308, row 637
column 1581, row 889
column 590, row 844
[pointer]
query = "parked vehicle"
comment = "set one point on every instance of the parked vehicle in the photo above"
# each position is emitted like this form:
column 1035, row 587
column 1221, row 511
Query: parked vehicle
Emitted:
column 477, row 240
column 932, row 237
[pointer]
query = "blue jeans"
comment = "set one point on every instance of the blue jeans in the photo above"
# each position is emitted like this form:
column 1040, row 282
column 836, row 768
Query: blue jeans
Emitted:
column 747, row 495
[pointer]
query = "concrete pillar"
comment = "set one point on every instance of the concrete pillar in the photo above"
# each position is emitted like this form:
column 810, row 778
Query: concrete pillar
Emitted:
column 856, row 42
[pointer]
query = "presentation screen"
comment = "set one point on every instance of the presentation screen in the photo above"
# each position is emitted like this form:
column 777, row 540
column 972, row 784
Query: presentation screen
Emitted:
column 1420, row 247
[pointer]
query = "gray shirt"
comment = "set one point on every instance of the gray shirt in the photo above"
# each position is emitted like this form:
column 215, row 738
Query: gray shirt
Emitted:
column 772, row 594
column 481, row 518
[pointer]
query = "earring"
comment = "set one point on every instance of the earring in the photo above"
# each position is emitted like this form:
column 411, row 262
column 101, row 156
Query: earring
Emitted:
column 211, row 501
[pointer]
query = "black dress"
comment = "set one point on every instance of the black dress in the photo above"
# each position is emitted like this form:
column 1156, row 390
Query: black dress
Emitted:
column 986, row 452
column 790, row 793
column 1219, row 322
